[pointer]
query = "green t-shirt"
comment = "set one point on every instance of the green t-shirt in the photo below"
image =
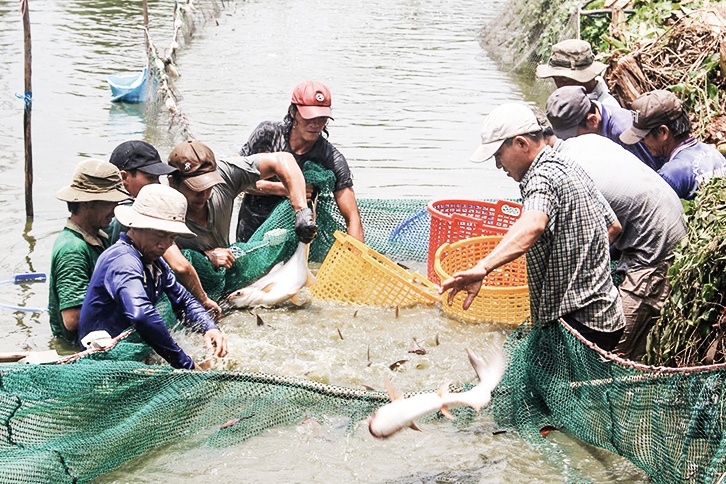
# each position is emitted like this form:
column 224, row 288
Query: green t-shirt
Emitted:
column 71, row 267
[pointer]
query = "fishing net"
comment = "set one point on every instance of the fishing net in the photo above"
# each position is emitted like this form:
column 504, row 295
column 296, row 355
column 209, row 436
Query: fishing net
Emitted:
column 72, row 422
column 666, row 421
column 397, row 228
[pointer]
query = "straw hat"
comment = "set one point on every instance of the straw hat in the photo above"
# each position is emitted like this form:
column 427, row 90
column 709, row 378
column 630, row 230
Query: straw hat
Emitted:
column 94, row 181
column 158, row 207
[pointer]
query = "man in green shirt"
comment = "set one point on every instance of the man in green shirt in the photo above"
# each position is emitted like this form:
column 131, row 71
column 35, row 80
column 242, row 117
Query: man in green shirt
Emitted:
column 94, row 192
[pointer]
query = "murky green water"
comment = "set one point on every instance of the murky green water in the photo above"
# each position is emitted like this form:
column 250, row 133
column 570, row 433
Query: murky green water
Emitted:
column 410, row 87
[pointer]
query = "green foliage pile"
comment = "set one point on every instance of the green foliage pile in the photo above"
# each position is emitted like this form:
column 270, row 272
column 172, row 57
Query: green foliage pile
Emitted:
column 692, row 328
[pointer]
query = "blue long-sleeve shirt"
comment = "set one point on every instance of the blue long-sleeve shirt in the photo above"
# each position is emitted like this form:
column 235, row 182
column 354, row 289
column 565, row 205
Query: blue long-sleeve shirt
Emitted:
column 123, row 292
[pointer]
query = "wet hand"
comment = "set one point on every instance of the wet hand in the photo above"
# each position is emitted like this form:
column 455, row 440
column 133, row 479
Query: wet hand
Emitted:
column 309, row 190
column 305, row 227
column 216, row 342
column 469, row 281
column 212, row 308
column 220, row 257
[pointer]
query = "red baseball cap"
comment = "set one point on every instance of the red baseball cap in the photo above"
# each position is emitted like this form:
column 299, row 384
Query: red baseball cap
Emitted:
column 312, row 99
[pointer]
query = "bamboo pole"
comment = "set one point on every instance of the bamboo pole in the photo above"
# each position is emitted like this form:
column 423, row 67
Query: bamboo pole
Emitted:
column 27, row 114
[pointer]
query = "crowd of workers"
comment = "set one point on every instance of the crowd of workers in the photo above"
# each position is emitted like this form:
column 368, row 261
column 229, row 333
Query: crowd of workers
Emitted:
column 596, row 181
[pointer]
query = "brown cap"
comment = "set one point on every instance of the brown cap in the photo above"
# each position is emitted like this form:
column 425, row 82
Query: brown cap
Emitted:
column 651, row 110
column 572, row 59
column 94, row 181
column 196, row 165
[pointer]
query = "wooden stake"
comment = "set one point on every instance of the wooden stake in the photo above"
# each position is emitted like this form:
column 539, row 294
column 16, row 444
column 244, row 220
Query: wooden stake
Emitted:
column 145, row 8
column 24, row 11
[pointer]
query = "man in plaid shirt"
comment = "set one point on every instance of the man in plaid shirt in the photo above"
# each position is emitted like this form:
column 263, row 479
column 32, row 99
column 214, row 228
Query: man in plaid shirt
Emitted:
column 565, row 230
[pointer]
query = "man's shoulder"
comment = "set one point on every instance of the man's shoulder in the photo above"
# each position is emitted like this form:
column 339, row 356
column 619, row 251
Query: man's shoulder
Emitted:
column 69, row 241
column 120, row 254
column 267, row 131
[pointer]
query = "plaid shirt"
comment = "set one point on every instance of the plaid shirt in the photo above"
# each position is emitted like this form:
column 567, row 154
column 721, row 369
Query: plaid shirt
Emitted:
column 568, row 267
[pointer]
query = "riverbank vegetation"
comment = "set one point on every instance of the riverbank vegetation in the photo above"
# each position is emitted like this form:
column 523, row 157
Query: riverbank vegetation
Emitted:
column 692, row 328
column 678, row 46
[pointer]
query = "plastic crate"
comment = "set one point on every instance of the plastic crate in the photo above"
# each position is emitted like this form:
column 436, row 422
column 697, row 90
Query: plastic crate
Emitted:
column 454, row 220
column 504, row 294
column 352, row 272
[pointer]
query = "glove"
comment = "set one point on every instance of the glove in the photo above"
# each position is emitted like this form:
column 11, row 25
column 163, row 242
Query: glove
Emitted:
column 305, row 228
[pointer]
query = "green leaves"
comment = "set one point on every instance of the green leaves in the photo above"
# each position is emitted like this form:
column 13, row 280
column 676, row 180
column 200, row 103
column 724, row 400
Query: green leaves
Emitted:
column 693, row 317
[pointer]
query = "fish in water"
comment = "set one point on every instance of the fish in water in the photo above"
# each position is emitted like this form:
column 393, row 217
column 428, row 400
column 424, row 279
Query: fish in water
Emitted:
column 403, row 412
column 283, row 282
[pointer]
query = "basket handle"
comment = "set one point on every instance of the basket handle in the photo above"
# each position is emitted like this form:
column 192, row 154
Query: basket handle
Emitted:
column 437, row 259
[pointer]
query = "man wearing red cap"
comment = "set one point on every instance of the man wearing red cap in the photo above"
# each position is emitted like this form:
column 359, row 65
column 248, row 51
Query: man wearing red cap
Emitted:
column 300, row 133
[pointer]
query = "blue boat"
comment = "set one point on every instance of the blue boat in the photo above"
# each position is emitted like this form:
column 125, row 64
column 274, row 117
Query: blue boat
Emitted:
column 128, row 88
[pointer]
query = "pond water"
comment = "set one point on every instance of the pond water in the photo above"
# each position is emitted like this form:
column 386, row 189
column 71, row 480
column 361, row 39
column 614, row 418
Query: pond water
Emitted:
column 410, row 85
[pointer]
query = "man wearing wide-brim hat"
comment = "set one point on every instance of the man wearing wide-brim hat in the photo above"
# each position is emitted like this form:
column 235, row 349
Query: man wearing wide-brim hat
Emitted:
column 140, row 165
column 573, row 64
column 91, row 197
column 131, row 276
column 565, row 229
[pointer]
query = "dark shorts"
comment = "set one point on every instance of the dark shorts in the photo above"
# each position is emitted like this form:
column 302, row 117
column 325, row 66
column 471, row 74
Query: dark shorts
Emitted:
column 606, row 341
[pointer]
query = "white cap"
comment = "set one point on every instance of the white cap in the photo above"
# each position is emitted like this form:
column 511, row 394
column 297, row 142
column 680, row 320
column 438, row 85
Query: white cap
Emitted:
column 504, row 122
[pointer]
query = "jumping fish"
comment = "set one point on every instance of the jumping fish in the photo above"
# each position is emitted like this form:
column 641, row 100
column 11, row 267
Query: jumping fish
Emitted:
column 283, row 282
column 403, row 412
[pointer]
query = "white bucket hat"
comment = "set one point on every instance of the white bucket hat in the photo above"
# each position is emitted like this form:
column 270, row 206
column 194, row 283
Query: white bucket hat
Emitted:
column 158, row 207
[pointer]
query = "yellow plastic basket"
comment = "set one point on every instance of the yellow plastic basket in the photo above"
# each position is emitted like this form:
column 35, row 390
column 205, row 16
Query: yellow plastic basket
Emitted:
column 504, row 295
column 352, row 272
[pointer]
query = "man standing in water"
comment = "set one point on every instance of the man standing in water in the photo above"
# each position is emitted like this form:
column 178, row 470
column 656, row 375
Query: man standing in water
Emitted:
column 211, row 188
column 300, row 133
column 131, row 276
column 140, row 164
column 565, row 230
column 91, row 197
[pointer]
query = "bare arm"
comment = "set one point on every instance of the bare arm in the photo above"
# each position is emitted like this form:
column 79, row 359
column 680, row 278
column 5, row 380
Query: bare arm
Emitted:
column 614, row 231
column 266, row 187
column 520, row 237
column 188, row 277
column 70, row 318
column 348, row 207
column 284, row 166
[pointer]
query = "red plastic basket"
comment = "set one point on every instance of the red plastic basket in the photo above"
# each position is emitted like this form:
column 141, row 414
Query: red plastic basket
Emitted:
column 454, row 220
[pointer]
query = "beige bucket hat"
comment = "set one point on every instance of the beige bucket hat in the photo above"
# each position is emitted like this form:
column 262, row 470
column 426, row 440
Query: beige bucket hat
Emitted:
column 572, row 59
column 94, row 181
column 157, row 207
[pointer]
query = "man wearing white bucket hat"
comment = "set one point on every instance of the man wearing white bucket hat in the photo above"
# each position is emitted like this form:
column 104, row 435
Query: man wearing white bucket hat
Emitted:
column 565, row 230
column 91, row 197
column 131, row 276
